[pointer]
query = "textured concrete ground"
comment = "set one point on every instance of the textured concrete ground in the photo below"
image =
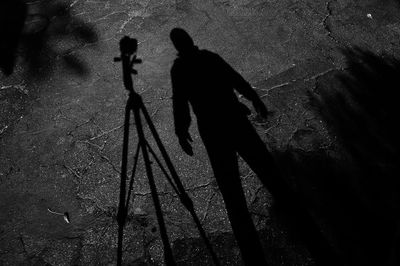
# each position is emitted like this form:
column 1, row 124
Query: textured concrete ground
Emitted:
column 61, row 126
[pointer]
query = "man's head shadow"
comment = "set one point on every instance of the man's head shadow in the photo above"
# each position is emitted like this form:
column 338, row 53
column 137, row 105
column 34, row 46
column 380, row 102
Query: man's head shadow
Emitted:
column 182, row 41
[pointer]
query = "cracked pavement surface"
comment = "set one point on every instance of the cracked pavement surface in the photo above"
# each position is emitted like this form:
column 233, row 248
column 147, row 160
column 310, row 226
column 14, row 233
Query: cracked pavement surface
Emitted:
column 61, row 135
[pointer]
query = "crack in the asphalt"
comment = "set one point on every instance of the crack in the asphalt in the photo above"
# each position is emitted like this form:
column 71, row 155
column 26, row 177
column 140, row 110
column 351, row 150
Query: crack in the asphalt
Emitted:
column 208, row 207
column 318, row 75
column 73, row 3
column 114, row 167
column 135, row 13
column 207, row 15
column 172, row 193
column 92, row 144
column 70, row 132
column 20, row 87
column 327, row 16
column 106, row 16
column 327, row 25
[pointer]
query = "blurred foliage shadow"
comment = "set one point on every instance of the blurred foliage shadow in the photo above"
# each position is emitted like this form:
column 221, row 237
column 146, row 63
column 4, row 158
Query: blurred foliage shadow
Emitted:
column 353, row 186
column 41, row 32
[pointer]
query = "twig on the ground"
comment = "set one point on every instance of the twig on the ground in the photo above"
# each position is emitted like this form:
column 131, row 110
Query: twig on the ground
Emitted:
column 73, row 171
column 23, row 244
column 65, row 215
column 3, row 129
column 106, row 132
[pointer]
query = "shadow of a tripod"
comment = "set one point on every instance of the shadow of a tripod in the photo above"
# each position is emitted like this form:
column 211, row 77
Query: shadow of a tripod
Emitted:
column 136, row 106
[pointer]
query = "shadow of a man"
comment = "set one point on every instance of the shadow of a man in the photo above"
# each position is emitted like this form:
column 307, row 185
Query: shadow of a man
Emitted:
column 206, row 82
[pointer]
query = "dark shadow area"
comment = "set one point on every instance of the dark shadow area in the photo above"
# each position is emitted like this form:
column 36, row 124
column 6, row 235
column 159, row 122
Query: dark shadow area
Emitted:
column 203, row 80
column 277, row 250
column 350, row 187
column 40, row 33
column 12, row 21
column 354, row 183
